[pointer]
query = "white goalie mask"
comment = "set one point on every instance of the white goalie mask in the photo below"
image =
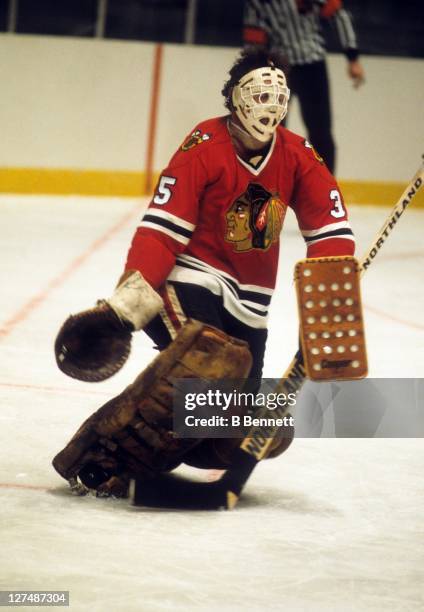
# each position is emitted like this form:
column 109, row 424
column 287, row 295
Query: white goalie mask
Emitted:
column 260, row 101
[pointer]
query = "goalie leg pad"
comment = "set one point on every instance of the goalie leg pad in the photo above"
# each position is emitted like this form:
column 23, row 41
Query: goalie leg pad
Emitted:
column 131, row 435
column 331, row 320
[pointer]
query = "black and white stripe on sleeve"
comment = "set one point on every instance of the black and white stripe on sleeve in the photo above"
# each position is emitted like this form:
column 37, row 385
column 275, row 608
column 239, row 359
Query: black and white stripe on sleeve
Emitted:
column 298, row 35
column 340, row 229
column 169, row 224
column 345, row 31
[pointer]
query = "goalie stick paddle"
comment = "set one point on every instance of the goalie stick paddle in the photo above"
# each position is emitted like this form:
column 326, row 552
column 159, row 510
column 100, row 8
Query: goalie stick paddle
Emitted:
column 170, row 491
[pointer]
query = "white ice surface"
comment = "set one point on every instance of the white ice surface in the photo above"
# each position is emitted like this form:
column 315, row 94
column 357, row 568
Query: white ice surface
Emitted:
column 332, row 525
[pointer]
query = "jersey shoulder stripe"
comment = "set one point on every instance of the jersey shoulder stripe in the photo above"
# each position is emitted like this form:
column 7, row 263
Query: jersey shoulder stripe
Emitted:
column 169, row 224
column 325, row 228
column 340, row 233
column 164, row 214
column 340, row 229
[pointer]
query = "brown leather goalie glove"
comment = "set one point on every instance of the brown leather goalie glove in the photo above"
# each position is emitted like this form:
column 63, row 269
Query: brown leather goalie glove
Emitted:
column 94, row 344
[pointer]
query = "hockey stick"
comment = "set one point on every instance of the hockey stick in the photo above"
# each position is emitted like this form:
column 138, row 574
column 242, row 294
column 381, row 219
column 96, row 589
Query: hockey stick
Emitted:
column 169, row 491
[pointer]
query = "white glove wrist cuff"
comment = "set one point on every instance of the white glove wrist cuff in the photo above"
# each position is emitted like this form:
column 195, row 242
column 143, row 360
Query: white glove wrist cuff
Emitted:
column 136, row 301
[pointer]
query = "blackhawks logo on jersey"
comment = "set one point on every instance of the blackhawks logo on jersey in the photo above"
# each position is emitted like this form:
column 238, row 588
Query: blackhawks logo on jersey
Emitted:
column 314, row 151
column 255, row 219
column 194, row 139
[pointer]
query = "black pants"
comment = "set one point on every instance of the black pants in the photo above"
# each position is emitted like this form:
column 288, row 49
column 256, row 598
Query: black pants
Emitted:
column 198, row 303
column 184, row 300
column 309, row 82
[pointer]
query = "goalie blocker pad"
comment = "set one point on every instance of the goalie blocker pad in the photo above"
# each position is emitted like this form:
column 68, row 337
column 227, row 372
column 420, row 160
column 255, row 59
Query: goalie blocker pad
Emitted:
column 331, row 321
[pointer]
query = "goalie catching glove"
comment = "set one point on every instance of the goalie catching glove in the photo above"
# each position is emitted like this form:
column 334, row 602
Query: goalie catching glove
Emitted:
column 94, row 344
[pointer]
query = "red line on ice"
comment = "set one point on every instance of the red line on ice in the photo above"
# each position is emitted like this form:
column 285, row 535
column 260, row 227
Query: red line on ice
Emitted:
column 33, row 303
column 54, row 389
column 14, row 485
column 385, row 315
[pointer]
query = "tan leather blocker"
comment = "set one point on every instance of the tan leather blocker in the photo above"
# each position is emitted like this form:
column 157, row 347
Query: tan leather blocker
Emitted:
column 131, row 435
column 331, row 321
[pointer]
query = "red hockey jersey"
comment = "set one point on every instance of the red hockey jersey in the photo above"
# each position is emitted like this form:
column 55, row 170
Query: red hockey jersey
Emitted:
column 215, row 219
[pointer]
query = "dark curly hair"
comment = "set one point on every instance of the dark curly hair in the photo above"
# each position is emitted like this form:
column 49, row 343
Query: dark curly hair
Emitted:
column 250, row 59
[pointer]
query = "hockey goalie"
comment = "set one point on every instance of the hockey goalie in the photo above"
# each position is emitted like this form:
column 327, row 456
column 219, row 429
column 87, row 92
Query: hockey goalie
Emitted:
column 199, row 279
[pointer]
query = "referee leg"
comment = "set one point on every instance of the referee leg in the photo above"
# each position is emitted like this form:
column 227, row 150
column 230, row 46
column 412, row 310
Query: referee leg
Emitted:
column 310, row 83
